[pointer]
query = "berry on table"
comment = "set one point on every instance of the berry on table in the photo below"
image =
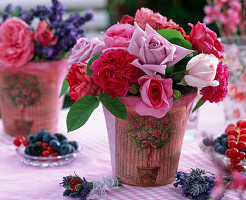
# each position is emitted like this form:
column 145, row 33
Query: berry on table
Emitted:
column 45, row 154
column 60, row 137
column 17, row 142
column 26, row 143
column 55, row 144
column 32, row 138
column 46, row 137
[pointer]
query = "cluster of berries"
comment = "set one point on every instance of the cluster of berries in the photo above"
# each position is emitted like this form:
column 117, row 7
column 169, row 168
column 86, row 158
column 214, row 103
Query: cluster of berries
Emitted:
column 46, row 144
column 236, row 138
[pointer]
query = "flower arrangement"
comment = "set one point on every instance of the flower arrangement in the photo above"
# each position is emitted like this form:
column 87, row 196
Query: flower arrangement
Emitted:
column 229, row 16
column 52, row 39
column 148, row 57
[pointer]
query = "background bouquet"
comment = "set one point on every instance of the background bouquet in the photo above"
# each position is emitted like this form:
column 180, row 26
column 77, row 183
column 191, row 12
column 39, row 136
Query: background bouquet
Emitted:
column 52, row 39
column 149, row 57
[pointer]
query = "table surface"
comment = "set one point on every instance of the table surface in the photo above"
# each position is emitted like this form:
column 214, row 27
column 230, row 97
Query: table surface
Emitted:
column 19, row 181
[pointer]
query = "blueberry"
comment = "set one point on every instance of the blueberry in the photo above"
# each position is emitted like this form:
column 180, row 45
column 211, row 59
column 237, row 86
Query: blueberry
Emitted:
column 221, row 149
column 64, row 142
column 32, row 138
column 53, row 137
column 224, row 142
column 55, row 144
column 223, row 135
column 74, row 144
column 216, row 146
column 46, row 137
column 60, row 137
column 41, row 134
column 66, row 149
column 218, row 139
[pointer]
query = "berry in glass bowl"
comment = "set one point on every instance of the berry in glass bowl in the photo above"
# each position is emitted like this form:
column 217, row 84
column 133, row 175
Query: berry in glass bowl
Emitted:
column 46, row 149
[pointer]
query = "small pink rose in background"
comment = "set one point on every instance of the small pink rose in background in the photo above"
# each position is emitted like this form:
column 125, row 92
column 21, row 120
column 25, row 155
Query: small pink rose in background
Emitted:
column 156, row 133
column 236, row 114
column 16, row 43
column 205, row 40
column 155, row 53
column 165, row 121
column 164, row 136
column 239, row 97
column 114, row 72
column 151, row 124
column 233, row 90
column 118, row 35
column 243, row 77
column 80, row 83
column 44, row 35
column 141, row 136
column 201, row 71
column 85, row 49
column 15, row 93
column 146, row 16
column 135, row 126
column 156, row 96
column 126, row 19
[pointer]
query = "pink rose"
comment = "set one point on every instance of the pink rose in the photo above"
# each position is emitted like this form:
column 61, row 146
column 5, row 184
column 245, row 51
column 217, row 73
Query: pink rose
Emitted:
column 16, row 42
column 85, row 49
column 80, row 83
column 135, row 126
column 205, row 40
column 114, row 72
column 201, row 71
column 126, row 19
column 172, row 25
column 155, row 53
column 141, row 136
column 44, row 35
column 155, row 97
column 165, row 121
column 164, row 136
column 156, row 133
column 118, row 35
column 151, row 124
column 146, row 16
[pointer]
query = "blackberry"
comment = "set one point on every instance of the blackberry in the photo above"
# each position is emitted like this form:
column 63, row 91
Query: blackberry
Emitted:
column 33, row 150
column 60, row 137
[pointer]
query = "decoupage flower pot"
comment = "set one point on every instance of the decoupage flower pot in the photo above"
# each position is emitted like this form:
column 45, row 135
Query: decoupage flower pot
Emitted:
column 145, row 150
column 29, row 96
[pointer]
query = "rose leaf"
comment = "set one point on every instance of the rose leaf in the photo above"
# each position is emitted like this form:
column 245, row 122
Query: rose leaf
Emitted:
column 198, row 105
column 88, row 69
column 65, row 86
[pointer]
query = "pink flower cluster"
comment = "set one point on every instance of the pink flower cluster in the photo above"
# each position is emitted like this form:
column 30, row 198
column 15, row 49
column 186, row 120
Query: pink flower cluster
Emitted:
column 133, row 52
column 227, row 13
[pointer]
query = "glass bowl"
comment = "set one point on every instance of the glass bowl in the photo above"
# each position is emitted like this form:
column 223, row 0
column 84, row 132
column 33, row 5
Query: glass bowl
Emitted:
column 38, row 161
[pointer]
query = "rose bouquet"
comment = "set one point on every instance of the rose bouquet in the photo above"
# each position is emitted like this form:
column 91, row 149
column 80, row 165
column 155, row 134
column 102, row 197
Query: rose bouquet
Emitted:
column 148, row 57
column 52, row 39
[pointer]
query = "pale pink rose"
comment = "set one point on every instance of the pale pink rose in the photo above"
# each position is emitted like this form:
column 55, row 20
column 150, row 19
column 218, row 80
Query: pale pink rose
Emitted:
column 16, row 42
column 141, row 136
column 156, row 133
column 118, row 35
column 201, row 71
column 146, row 16
column 155, row 53
column 85, row 49
column 135, row 126
column 155, row 97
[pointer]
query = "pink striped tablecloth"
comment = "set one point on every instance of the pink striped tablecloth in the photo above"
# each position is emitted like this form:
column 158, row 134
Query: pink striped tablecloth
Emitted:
column 19, row 182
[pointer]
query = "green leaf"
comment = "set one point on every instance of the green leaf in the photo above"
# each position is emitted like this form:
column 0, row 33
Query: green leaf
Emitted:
column 16, row 12
column 169, row 71
column 88, row 69
column 78, row 187
column 178, row 76
column 181, row 42
column 73, row 194
column 198, row 105
column 65, row 87
column 67, row 187
column 80, row 112
column 170, row 34
column 114, row 105
column 176, row 95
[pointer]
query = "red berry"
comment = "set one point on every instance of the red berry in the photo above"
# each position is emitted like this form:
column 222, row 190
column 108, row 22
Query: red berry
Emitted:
column 50, row 149
column 241, row 155
column 228, row 153
column 232, row 132
column 17, row 142
column 233, row 152
column 235, row 160
column 55, row 154
column 45, row 154
column 44, row 145
column 242, row 137
column 243, row 131
column 239, row 123
column 39, row 142
column 26, row 143
column 232, row 144
column 243, row 124
column 231, row 137
column 240, row 168
column 241, row 145
column 21, row 138
column 231, row 126
column 74, row 181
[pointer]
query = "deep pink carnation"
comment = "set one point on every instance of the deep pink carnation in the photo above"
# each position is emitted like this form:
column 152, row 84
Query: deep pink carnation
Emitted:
column 218, row 93
column 114, row 72
column 80, row 83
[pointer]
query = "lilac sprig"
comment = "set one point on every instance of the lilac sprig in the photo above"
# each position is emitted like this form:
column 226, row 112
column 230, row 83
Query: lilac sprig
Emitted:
column 197, row 184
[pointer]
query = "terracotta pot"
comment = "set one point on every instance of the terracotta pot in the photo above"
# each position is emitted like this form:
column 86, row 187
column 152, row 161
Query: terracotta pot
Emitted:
column 29, row 96
column 127, row 139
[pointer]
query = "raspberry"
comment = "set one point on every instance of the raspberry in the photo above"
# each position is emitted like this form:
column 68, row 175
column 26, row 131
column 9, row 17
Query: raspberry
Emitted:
column 45, row 154
column 21, row 138
column 44, row 145
column 50, row 149
column 17, row 142
column 26, row 143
